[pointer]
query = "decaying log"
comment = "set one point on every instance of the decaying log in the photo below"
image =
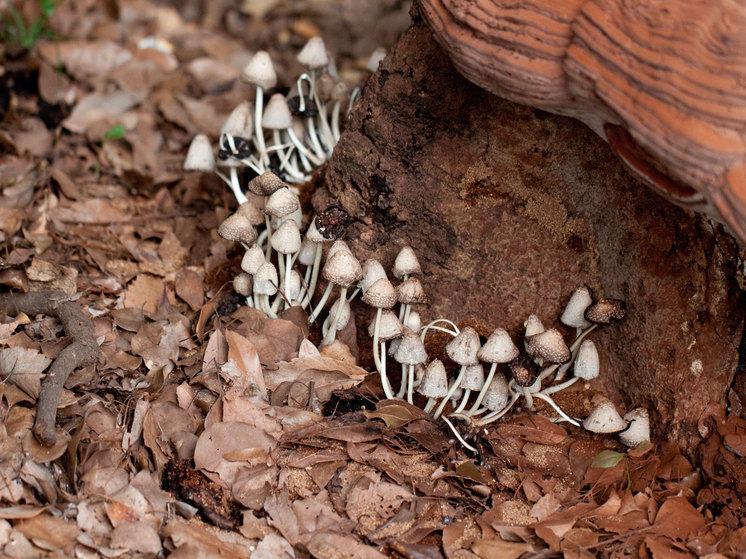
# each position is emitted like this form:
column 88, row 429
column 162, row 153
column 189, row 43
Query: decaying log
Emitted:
column 663, row 81
column 510, row 209
column 81, row 352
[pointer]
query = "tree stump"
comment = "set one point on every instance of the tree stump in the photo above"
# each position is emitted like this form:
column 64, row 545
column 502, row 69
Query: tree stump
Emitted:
column 510, row 209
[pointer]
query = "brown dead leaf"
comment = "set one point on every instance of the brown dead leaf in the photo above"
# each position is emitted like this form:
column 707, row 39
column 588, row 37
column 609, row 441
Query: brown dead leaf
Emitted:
column 498, row 548
column 396, row 415
column 663, row 548
column 85, row 58
column 136, row 536
column 145, row 293
column 96, row 107
column 533, row 428
column 23, row 367
column 678, row 519
column 50, row 532
column 190, row 288
column 243, row 367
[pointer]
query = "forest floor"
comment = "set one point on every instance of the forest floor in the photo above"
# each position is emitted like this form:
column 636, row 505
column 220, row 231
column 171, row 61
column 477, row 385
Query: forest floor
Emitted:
column 168, row 445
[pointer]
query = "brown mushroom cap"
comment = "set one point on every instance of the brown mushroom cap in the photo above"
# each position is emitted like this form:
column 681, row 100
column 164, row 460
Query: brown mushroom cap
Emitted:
column 281, row 202
column 389, row 329
column 237, row 228
column 411, row 350
column 523, row 370
column 548, row 346
column 464, row 347
column 380, row 295
column 410, row 291
column 265, row 184
column 252, row 213
column 497, row 394
column 606, row 311
column 342, row 268
column 286, row 240
column 434, row 382
column 406, row 263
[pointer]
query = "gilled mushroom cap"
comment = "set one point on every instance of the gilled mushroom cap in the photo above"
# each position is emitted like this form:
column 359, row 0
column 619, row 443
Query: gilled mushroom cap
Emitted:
column 411, row 291
column 260, row 71
column 604, row 419
column 380, row 295
column 497, row 394
column 434, row 382
column 313, row 54
column 286, row 240
column 281, row 202
column 265, row 279
column 411, row 350
column 252, row 213
column 338, row 246
column 389, row 329
column 524, row 371
column 464, row 347
column 473, row 378
column 574, row 313
column 313, row 235
column 413, row 321
column 533, row 326
column 375, row 59
column 499, row 348
column 638, row 430
column 372, row 272
column 307, row 253
column 238, row 121
column 265, row 184
column 406, row 263
column 252, row 260
column 237, row 228
column 242, row 284
column 606, row 311
column 548, row 346
column 587, row 364
column 332, row 222
column 200, row 156
column 342, row 268
column 277, row 113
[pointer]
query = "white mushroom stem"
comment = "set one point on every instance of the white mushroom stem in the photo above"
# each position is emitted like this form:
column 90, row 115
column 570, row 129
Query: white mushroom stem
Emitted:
column 354, row 294
column 495, row 415
column 432, row 325
column 474, row 409
column 529, row 397
column 573, row 352
column 314, row 275
column 384, row 378
column 302, row 149
column 262, row 238
column 320, row 305
column 558, row 387
column 268, row 229
column 258, row 130
column 430, row 405
column 332, row 334
column 464, row 399
column 557, row 408
column 264, row 301
column 404, row 382
column 234, row 185
column 410, row 384
column 315, row 144
column 335, row 121
column 459, row 437
column 322, row 113
column 451, row 390
column 288, row 270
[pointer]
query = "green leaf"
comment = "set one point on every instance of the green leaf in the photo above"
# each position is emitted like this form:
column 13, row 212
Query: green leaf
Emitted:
column 115, row 132
column 607, row 459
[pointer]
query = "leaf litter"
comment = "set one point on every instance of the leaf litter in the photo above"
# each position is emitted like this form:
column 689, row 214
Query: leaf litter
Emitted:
column 206, row 429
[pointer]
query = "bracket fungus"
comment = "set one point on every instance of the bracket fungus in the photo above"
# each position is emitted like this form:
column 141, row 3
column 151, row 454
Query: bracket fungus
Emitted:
column 662, row 82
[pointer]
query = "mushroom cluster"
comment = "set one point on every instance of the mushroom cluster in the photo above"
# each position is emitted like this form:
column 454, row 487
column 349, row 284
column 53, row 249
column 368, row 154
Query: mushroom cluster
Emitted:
column 290, row 135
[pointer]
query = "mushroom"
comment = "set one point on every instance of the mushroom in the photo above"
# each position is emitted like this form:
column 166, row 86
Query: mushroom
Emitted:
column 574, row 313
column 200, row 157
column 237, row 228
column 406, row 264
column 261, row 73
column 277, row 118
column 525, row 374
column 265, row 285
column 286, row 241
column 499, row 348
column 638, row 430
column 462, row 349
column 586, row 367
column 380, row 295
column 434, row 384
column 342, row 269
column 384, row 328
column 411, row 352
column 547, row 346
column 409, row 292
column 604, row 419
column 473, row 381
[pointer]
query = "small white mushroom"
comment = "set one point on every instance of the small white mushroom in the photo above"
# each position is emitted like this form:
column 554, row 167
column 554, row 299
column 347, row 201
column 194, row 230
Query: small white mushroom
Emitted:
column 638, row 430
column 604, row 419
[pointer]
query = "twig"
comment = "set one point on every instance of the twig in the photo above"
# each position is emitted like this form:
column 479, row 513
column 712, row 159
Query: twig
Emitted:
column 81, row 352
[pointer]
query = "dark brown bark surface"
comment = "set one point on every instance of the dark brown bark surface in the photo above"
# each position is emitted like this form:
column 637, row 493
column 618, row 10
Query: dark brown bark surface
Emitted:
column 510, row 209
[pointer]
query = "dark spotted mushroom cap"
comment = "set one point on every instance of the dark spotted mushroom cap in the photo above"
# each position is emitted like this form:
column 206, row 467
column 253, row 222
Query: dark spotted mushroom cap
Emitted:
column 606, row 311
